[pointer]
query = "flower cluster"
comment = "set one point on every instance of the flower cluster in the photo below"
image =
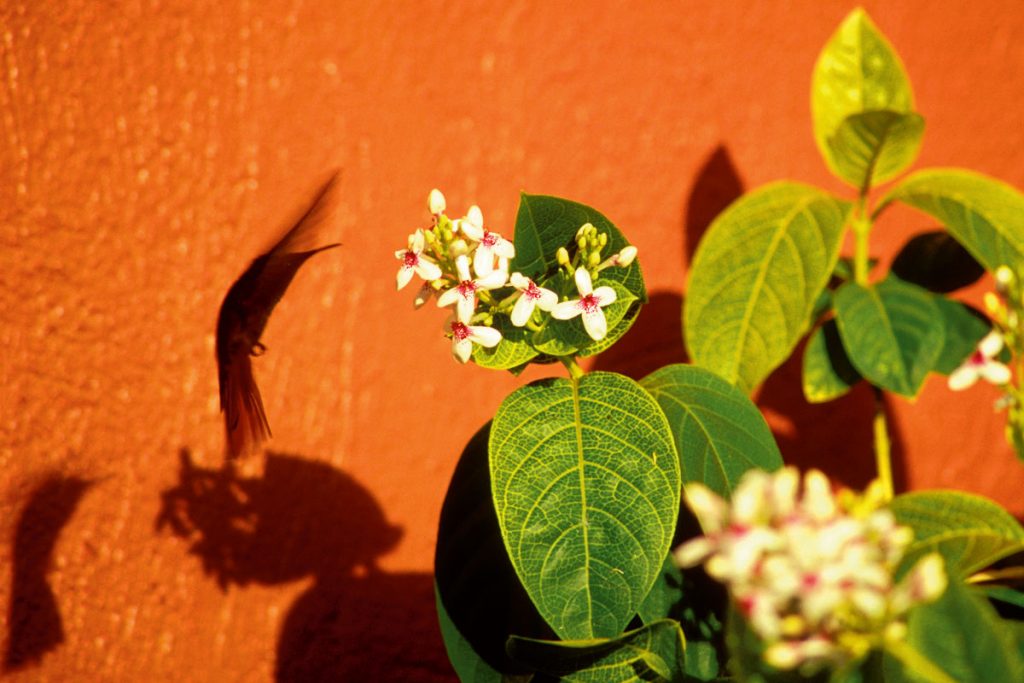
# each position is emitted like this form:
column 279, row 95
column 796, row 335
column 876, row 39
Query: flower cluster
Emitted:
column 466, row 266
column 811, row 571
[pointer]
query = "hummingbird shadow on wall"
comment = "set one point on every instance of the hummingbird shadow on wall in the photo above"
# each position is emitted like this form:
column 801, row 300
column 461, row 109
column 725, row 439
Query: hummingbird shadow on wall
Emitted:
column 33, row 616
column 303, row 518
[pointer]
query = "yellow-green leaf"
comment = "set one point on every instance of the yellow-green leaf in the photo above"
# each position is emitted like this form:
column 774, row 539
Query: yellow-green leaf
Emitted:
column 875, row 146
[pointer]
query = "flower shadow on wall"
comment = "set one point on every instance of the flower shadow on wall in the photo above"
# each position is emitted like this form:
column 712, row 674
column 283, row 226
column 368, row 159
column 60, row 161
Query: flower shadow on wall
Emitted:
column 304, row 518
column 34, row 619
column 841, row 428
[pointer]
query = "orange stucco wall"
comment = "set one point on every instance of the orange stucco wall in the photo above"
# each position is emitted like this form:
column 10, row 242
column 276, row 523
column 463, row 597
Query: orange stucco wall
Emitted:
column 150, row 149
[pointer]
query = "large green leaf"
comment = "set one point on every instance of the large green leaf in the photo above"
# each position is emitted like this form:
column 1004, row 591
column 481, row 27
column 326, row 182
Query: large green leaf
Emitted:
column 971, row 532
column 586, row 486
column 963, row 637
column 857, row 71
column 892, row 331
column 655, row 652
column 756, row 276
column 512, row 351
column 875, row 146
column 827, row 370
column 965, row 326
column 719, row 432
column 984, row 214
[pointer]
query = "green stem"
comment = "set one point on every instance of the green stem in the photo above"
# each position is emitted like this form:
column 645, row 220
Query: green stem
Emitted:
column 917, row 662
column 883, row 454
column 861, row 230
column 575, row 371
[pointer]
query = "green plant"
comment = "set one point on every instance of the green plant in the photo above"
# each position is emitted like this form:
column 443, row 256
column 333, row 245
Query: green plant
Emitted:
column 555, row 552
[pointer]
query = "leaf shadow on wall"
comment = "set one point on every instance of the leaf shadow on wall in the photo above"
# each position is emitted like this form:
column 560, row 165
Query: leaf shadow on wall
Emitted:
column 35, row 625
column 836, row 437
column 305, row 518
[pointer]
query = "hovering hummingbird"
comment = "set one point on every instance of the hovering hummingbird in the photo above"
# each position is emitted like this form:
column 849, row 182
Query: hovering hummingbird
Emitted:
column 243, row 316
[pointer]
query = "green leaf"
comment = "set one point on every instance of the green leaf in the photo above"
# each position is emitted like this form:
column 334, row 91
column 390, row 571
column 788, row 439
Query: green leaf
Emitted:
column 827, row 370
column 983, row 214
column 719, row 432
column 586, row 487
column 965, row 326
column 858, row 71
column 756, row 276
column 962, row 635
column 655, row 652
column 892, row 332
column 470, row 667
column 937, row 262
column 872, row 147
column 512, row 351
column 565, row 337
column 971, row 532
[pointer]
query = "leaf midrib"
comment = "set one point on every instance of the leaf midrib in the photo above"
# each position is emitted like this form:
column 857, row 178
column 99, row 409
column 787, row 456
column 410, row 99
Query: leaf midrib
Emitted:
column 583, row 500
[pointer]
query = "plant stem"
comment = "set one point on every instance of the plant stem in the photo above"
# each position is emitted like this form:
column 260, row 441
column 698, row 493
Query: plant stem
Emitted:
column 575, row 371
column 883, row 454
column 861, row 230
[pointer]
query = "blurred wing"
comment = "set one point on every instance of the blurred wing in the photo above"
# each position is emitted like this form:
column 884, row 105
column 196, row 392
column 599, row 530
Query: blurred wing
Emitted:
column 245, row 421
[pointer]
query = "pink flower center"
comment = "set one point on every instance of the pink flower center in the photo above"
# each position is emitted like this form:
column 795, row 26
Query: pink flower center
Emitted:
column 978, row 358
column 532, row 291
column 412, row 259
column 460, row 331
column 810, row 581
column 490, row 239
column 590, row 303
column 466, row 288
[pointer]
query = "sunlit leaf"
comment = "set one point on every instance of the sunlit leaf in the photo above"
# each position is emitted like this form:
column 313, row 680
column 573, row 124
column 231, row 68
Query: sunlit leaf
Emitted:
column 586, row 488
column 827, row 370
column 719, row 432
column 971, row 532
column 756, row 276
column 655, row 652
column 872, row 147
column 984, row 214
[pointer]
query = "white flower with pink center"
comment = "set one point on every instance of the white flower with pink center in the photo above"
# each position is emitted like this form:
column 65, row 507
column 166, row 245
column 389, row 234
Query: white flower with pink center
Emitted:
column 463, row 294
column 589, row 305
column 465, row 336
column 414, row 262
column 982, row 363
column 530, row 297
column 491, row 244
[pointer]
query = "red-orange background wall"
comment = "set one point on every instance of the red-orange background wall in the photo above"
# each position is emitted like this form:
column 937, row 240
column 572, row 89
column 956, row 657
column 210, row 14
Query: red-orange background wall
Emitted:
column 149, row 150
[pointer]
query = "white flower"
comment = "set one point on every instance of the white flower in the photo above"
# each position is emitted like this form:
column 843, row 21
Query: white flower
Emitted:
column 531, row 296
column 436, row 203
column 464, row 336
column 623, row 258
column 982, row 363
column 463, row 295
column 414, row 262
column 491, row 244
column 590, row 303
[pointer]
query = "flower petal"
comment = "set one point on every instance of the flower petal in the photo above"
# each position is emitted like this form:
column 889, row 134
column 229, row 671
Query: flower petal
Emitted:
column 547, row 299
column 567, row 310
column 605, row 296
column 465, row 307
column 462, row 349
column 995, row 372
column 427, row 269
column 522, row 311
column 483, row 261
column 504, row 248
column 484, row 336
column 963, row 377
column 493, row 280
column 991, row 344
column 462, row 266
column 448, row 297
column 583, row 283
column 404, row 276
column 519, row 281
column 595, row 324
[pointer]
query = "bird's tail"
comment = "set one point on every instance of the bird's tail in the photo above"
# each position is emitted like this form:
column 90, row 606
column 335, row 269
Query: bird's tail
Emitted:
column 244, row 418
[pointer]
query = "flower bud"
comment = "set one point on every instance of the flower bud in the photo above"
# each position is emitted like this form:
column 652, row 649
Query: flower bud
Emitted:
column 1004, row 278
column 563, row 256
column 992, row 303
column 458, row 248
column 594, row 260
column 626, row 256
column 435, row 202
column 602, row 239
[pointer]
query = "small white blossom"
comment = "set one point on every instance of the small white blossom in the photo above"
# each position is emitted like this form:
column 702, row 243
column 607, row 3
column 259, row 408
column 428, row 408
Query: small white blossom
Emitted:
column 436, row 203
column 982, row 363
column 531, row 296
column 589, row 304
column 810, row 571
column 463, row 294
column 414, row 262
column 464, row 336
column 491, row 244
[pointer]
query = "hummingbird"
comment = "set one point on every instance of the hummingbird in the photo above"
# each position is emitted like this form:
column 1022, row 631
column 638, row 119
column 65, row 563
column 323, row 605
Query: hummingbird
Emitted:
column 243, row 316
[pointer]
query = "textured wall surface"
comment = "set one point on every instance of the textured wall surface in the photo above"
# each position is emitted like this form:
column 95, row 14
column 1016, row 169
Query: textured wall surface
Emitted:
column 150, row 149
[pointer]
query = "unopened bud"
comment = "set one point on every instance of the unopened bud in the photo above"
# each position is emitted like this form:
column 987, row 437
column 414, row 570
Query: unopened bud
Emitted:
column 1004, row 279
column 594, row 260
column 563, row 256
column 626, row 256
column 458, row 248
column 584, row 230
column 992, row 303
column 436, row 203
column 602, row 239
